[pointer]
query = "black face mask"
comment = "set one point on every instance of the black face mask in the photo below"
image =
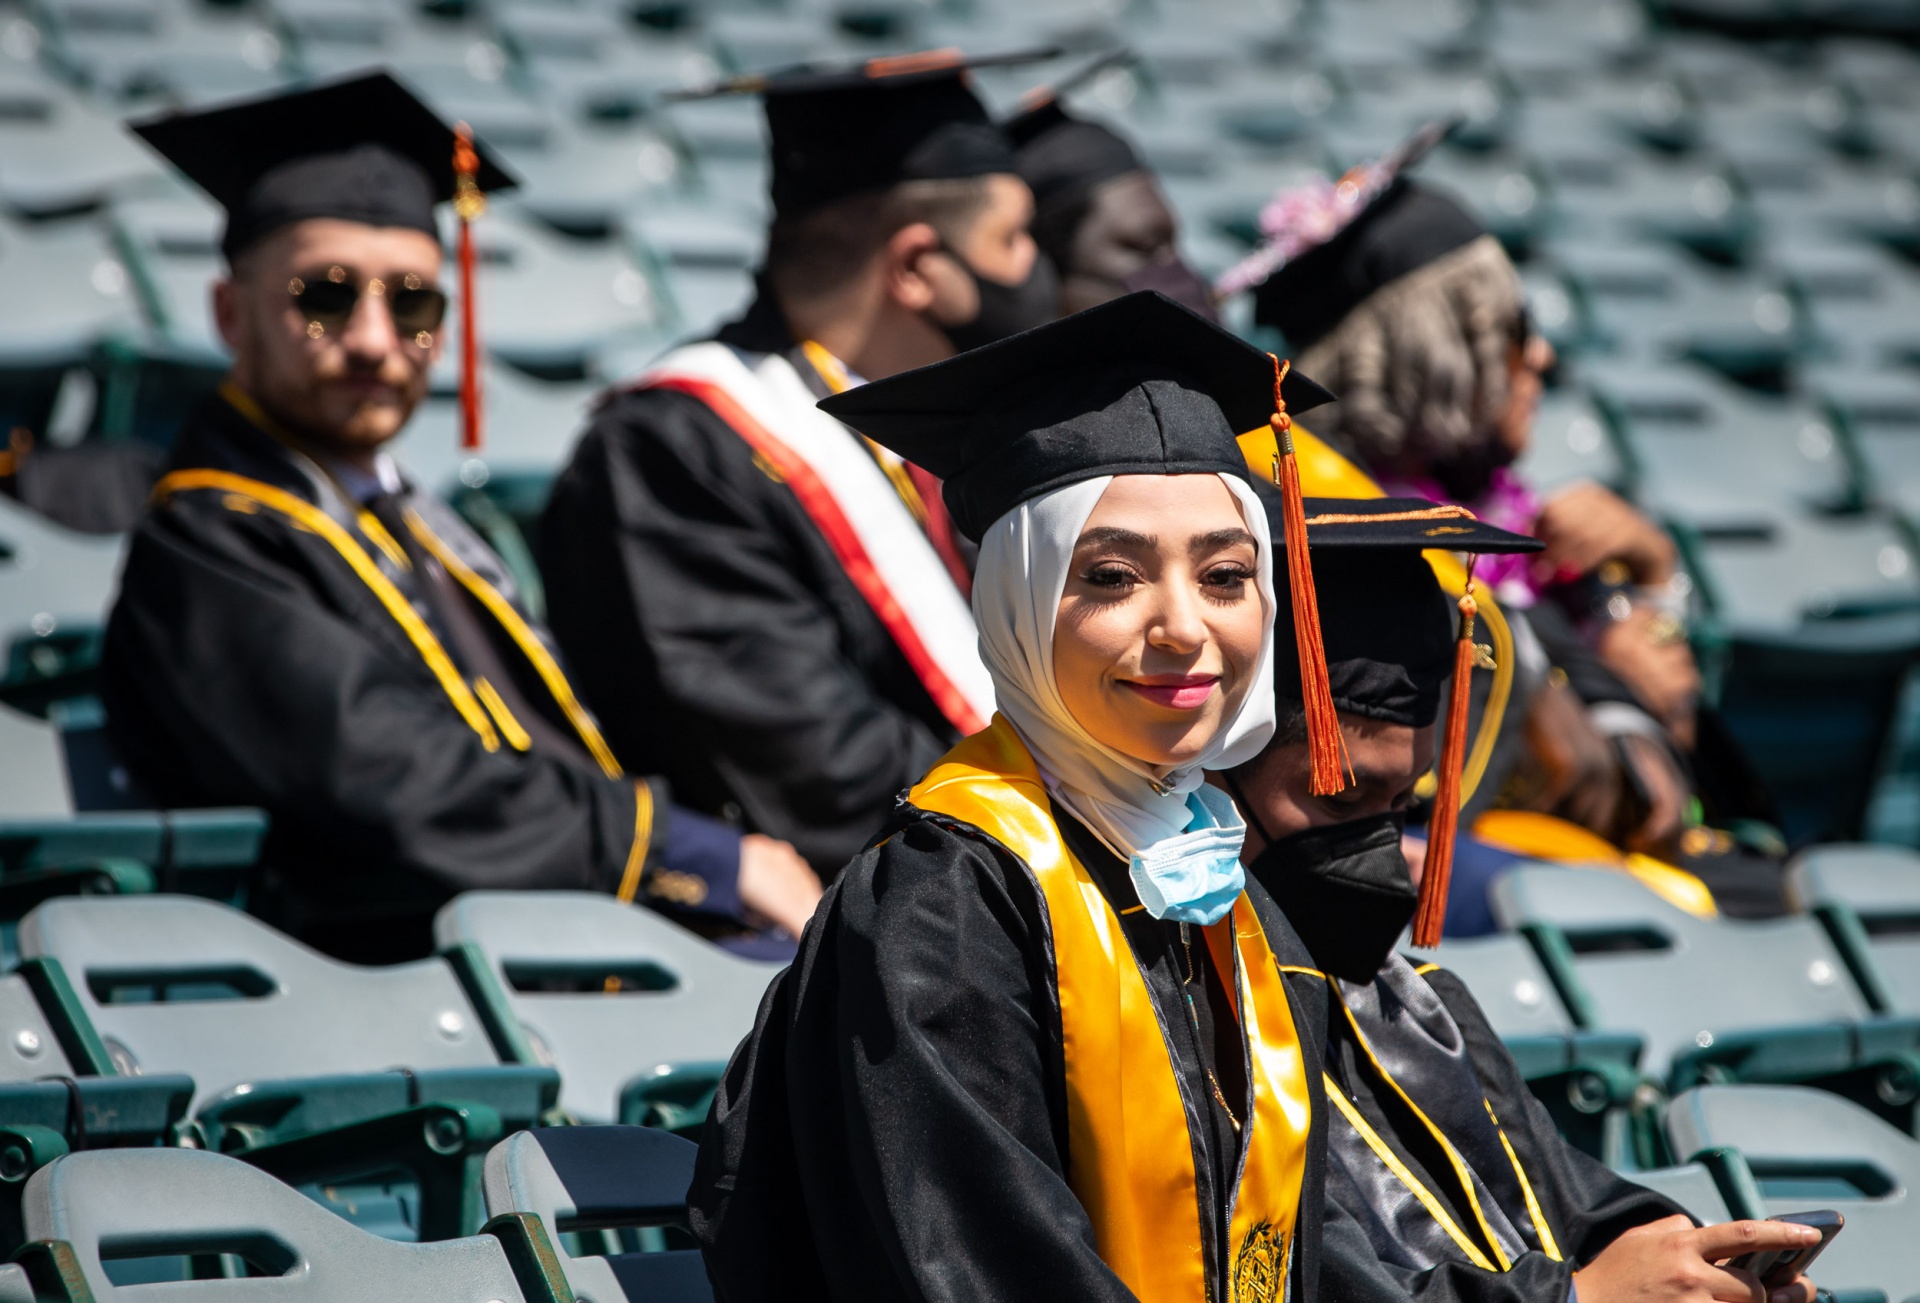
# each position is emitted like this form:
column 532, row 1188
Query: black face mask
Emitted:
column 1178, row 282
column 1346, row 889
column 1007, row 309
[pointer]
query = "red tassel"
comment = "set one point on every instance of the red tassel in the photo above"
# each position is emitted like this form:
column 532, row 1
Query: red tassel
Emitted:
column 1329, row 770
column 468, row 204
column 1432, row 911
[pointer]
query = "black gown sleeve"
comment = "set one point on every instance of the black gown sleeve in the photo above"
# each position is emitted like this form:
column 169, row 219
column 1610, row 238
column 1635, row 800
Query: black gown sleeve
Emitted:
column 716, row 638
column 233, row 676
column 895, row 1126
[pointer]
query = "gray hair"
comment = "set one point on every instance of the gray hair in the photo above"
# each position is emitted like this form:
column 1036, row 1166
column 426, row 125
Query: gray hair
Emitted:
column 1421, row 364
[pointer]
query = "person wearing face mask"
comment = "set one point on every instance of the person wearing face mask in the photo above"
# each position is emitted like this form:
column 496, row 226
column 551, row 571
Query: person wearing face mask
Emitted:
column 1447, row 1179
column 1098, row 213
column 766, row 607
column 1037, row 1044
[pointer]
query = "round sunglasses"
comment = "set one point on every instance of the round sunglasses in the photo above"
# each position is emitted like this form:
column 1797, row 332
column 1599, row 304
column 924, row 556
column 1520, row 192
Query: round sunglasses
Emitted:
column 416, row 307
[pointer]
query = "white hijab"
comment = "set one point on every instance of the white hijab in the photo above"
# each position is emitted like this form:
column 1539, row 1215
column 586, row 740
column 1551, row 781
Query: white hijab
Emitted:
column 1021, row 573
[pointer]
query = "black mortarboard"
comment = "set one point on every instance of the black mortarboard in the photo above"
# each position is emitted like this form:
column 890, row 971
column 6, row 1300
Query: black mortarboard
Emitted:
column 1407, row 227
column 1387, row 626
column 362, row 150
column 1063, row 157
column 842, row 130
column 1136, row 386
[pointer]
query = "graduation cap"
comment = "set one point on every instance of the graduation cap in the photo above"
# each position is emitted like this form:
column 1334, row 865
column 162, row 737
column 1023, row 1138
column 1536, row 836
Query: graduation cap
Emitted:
column 364, row 149
column 1391, row 640
column 1328, row 245
column 844, row 129
column 1062, row 157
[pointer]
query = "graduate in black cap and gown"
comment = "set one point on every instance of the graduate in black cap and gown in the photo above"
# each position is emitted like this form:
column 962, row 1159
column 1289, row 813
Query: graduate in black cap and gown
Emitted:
column 764, row 606
column 1448, row 1178
column 1098, row 212
column 301, row 628
column 1037, row 1044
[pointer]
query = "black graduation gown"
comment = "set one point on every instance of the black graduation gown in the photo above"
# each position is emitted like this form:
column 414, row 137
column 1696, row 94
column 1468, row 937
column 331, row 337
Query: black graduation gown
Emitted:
column 1379, row 1244
column 716, row 633
column 895, row 1127
column 247, row 664
column 95, row 487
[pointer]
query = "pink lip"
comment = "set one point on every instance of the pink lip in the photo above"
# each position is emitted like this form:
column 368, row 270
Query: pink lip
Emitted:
column 1176, row 691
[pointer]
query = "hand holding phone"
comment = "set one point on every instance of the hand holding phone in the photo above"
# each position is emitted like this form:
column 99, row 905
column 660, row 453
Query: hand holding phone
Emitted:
column 1777, row 1267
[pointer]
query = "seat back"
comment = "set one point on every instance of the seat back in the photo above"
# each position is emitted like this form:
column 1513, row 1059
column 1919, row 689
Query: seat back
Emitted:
column 608, row 993
column 28, row 1047
column 1506, row 978
column 604, row 1178
column 1679, row 981
column 1691, row 1186
column 176, row 984
column 134, row 1213
column 1881, row 885
column 1810, row 1149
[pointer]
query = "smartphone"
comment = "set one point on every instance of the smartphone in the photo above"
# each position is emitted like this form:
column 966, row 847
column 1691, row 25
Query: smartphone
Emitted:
column 1777, row 1267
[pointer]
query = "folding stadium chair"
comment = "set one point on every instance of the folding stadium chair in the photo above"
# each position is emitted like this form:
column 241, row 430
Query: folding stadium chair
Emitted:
column 66, row 288
column 1814, row 705
column 1691, row 1185
column 203, row 852
column 120, row 1221
column 1716, row 1000
column 1806, row 1149
column 621, row 1192
column 1571, row 441
column 49, row 1107
column 315, row 1070
column 1868, row 898
column 704, row 253
column 63, row 153
column 55, row 588
column 1586, row 1078
column 1706, row 452
column 638, row 1014
column 1877, row 409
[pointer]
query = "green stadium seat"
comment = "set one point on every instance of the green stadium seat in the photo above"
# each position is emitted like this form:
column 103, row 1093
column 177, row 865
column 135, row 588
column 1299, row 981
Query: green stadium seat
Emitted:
column 66, row 288
column 64, row 153
column 1807, row 1149
column 318, row 1071
column 1879, row 412
column 704, row 254
column 139, row 1218
column 1586, row 1078
column 1861, row 301
column 1715, row 1000
column 175, row 245
column 638, row 1014
column 1571, row 441
column 620, row 1193
column 1708, row 453
column 55, row 589
column 1684, row 201
column 1691, row 1186
column 1778, row 577
column 1869, row 899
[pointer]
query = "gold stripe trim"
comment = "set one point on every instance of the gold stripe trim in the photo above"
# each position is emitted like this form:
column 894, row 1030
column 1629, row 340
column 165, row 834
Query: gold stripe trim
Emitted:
column 525, row 639
column 310, row 517
column 1295, row 968
column 1427, row 1198
column 642, row 835
column 1424, row 969
column 370, row 526
column 1445, row 511
column 516, row 736
column 1460, row 1170
column 1548, row 1244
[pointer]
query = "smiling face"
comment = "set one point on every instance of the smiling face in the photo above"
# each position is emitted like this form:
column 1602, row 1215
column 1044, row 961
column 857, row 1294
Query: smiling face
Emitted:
column 1161, row 620
column 349, row 387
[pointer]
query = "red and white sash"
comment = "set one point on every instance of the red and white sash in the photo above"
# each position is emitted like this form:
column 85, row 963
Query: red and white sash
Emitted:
column 850, row 500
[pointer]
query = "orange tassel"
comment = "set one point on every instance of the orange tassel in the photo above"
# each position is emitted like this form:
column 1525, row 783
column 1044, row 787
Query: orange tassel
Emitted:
column 1329, row 770
column 1441, row 828
column 468, row 204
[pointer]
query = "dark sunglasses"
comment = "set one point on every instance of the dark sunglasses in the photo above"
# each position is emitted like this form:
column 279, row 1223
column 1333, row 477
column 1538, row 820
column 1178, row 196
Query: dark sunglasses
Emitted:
column 416, row 307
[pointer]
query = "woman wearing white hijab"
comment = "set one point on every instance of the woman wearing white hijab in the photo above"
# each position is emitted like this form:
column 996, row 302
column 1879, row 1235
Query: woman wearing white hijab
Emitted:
column 1037, row 1044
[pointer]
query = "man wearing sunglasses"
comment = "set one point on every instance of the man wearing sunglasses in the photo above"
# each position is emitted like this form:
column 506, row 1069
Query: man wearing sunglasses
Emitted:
column 300, row 628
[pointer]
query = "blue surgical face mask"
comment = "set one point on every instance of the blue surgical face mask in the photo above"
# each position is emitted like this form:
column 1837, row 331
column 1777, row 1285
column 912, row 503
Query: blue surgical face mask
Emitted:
column 1196, row 876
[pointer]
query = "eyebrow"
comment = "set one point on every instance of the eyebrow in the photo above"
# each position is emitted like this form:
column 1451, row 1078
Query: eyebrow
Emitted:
column 1220, row 538
column 1113, row 534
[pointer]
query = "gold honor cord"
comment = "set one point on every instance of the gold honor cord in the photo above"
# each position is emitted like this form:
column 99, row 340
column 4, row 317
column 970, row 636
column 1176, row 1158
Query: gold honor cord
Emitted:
column 315, row 521
column 525, row 639
column 642, row 834
column 1548, row 1244
column 1428, row 1200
